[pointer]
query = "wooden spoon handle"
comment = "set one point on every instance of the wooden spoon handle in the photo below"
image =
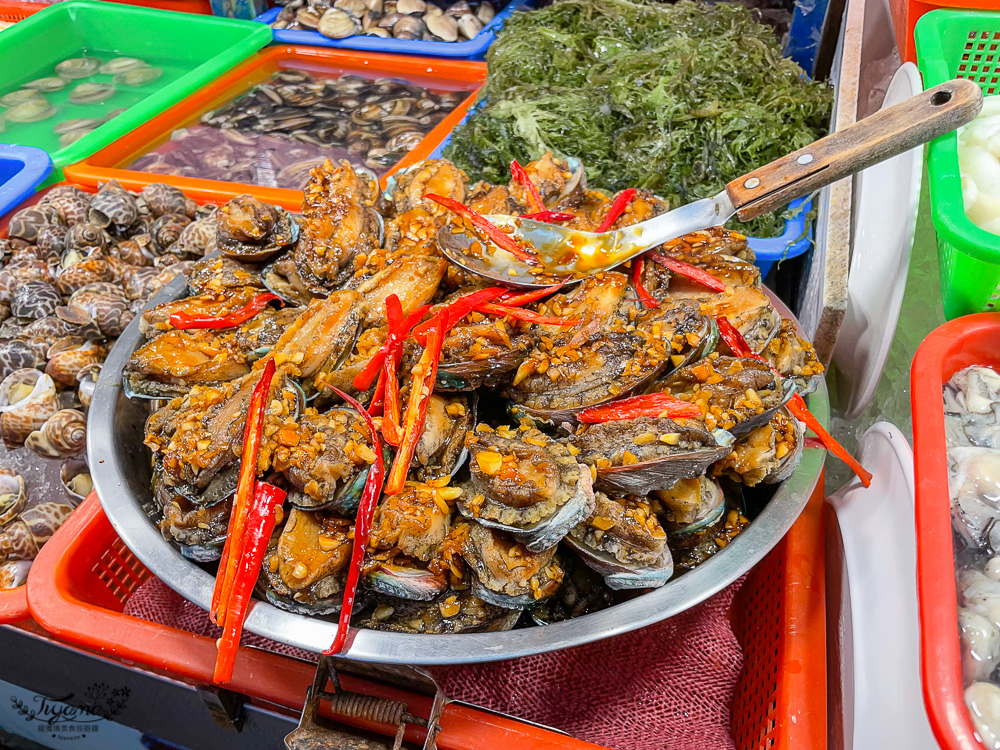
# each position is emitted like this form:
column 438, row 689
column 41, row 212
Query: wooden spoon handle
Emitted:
column 874, row 139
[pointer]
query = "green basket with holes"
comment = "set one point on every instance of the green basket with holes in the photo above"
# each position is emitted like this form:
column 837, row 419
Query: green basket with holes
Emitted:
column 960, row 44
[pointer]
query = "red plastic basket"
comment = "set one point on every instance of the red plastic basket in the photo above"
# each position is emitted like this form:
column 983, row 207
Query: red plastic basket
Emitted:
column 12, row 11
column 972, row 340
column 80, row 582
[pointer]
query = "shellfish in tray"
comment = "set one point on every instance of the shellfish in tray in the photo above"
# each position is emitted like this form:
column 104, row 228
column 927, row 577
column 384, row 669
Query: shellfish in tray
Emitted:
column 637, row 429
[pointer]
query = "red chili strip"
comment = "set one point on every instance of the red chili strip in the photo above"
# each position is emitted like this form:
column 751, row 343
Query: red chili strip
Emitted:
column 500, row 238
column 528, row 315
column 797, row 405
column 391, row 429
column 421, row 388
column 514, row 299
column 362, row 528
column 260, row 523
column 232, row 552
column 186, row 321
column 530, row 191
column 686, row 269
column 549, row 217
column 452, row 313
column 617, row 209
column 644, row 296
column 394, row 340
column 650, row 405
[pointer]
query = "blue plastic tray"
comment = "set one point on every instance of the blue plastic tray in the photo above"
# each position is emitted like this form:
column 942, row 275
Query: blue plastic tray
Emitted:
column 473, row 49
column 769, row 250
column 22, row 170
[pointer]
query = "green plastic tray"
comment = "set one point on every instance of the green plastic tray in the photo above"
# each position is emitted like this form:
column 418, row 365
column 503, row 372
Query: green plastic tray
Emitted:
column 960, row 44
column 190, row 49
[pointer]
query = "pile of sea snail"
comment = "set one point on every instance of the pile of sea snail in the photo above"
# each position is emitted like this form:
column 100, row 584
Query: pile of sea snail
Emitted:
column 419, row 20
column 75, row 269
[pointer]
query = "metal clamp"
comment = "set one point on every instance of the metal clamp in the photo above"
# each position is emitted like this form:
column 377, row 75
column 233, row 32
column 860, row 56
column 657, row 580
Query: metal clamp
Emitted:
column 311, row 734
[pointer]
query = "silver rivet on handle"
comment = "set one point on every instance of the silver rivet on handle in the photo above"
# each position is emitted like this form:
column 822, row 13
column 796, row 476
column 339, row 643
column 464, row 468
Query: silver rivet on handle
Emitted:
column 805, row 159
column 751, row 183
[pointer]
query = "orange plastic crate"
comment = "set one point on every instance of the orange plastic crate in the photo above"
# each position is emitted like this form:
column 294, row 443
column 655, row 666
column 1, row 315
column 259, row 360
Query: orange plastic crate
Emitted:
column 109, row 163
column 80, row 582
column 184, row 6
column 12, row 11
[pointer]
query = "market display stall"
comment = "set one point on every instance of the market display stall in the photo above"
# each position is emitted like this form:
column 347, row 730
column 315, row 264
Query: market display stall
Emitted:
column 328, row 404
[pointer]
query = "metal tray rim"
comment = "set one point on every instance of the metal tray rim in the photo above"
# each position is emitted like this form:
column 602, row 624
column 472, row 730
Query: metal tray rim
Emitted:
column 124, row 510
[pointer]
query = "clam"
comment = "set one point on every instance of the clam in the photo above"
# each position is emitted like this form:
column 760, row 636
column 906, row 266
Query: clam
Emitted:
column 624, row 542
column 459, row 9
column 27, row 399
column 252, row 231
column 460, row 612
column 113, row 208
column 338, row 24
column 691, row 505
column 637, row 456
column 356, row 8
column 507, row 574
column 14, row 573
column 743, row 393
column 91, row 93
column 307, row 17
column 33, row 110
column 526, row 484
column 485, row 12
column 35, row 299
column 49, row 84
column 408, row 27
column 20, row 97
column 64, row 434
column 78, row 67
column 121, row 65
column 306, row 570
column 469, row 26
column 77, row 124
column 410, row 7
column 71, row 354
column 13, row 495
column 442, row 26
column 137, row 77
column 74, row 475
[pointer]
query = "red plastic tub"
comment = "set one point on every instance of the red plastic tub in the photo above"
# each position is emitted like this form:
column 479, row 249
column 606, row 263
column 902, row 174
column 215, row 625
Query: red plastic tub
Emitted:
column 12, row 11
column 971, row 340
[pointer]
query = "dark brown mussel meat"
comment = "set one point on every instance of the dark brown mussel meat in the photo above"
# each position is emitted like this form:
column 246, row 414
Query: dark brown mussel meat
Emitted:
column 624, row 542
column 616, row 349
column 525, row 483
column 768, row 454
column 736, row 394
column 644, row 454
column 458, row 612
column 507, row 574
column 408, row 531
column 252, row 231
column 326, row 458
column 306, row 570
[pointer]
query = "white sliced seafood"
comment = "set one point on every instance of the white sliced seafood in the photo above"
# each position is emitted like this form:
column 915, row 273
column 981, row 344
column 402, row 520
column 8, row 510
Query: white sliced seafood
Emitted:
column 983, row 702
column 981, row 639
column 973, row 395
column 975, row 491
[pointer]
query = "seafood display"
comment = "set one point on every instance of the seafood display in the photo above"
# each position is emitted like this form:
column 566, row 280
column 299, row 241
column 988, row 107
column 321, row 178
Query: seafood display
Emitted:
column 418, row 20
column 277, row 132
column 972, row 431
column 78, row 95
column 76, row 268
column 436, row 455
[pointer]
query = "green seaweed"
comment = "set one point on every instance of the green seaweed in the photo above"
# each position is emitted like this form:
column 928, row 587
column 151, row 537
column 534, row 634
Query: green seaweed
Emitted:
column 679, row 99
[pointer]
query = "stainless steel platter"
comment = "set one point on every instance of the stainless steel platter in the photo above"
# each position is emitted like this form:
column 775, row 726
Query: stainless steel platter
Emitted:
column 120, row 466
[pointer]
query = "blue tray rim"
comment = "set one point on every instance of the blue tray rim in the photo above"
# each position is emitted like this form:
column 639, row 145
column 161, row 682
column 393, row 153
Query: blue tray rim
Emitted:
column 37, row 166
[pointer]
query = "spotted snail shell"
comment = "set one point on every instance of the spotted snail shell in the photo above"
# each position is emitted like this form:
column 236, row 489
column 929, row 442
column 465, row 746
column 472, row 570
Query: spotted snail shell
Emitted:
column 12, row 495
column 27, row 400
column 64, row 434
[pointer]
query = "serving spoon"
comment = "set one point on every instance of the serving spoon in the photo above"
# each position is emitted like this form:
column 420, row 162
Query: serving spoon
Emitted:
column 572, row 255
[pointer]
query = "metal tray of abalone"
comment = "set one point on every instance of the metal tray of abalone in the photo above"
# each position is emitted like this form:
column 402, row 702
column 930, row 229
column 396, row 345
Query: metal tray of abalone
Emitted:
column 120, row 466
